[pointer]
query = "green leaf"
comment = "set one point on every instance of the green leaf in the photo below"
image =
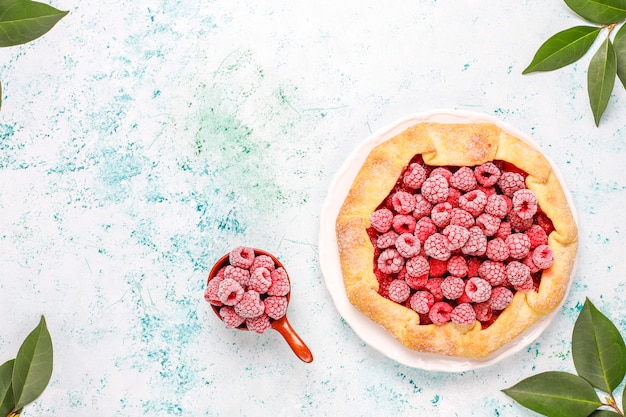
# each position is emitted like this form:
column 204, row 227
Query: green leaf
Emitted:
column 624, row 399
column 556, row 394
column 33, row 366
column 603, row 413
column 598, row 349
column 22, row 21
column 619, row 43
column 601, row 78
column 603, row 12
column 6, row 392
column 563, row 48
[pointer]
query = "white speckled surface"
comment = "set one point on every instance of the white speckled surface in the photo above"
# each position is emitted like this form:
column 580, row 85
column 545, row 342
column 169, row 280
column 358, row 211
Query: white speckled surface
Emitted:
column 139, row 141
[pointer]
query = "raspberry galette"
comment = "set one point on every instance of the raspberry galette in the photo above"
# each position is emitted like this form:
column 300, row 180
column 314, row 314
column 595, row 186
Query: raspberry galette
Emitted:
column 456, row 238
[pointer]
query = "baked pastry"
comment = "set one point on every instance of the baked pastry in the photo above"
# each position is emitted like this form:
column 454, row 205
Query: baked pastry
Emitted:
column 456, row 238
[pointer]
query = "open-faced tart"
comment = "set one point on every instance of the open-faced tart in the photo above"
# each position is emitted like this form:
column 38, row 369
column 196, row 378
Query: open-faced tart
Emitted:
column 456, row 238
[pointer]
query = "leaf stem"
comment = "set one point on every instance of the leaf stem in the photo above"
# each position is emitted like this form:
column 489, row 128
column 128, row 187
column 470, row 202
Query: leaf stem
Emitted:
column 613, row 404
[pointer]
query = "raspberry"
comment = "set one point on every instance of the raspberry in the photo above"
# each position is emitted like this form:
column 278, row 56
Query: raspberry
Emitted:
column 441, row 214
column 210, row 292
column 403, row 202
column 517, row 223
column 543, row 256
column 258, row 324
column 262, row 261
column 497, row 250
column 260, row 280
column 250, row 305
column 497, row 206
column 444, row 172
column 422, row 207
column 437, row 267
column 241, row 275
column 463, row 314
column 436, row 246
column 517, row 273
column 241, row 257
column 457, row 236
column 440, row 313
column 527, row 285
column 483, row 311
column 390, row 261
column 476, row 244
column 399, row 291
column 453, row 197
column 537, row 236
column 424, row 229
column 489, row 191
column 518, row 244
column 452, row 287
column 386, row 240
column 381, row 220
column 275, row 307
column 463, row 179
column 478, row 289
column 403, row 223
column 280, row 282
column 457, row 266
column 504, row 230
column 460, row 217
column 492, row 272
column 473, row 202
column 510, row 182
column 544, row 222
column 421, row 302
column 500, row 298
column 528, row 261
column 414, row 176
column 416, row 282
column 230, row 317
column 487, row 174
column 230, row 292
column 525, row 203
column 472, row 266
column 408, row 245
column 435, row 189
column 434, row 286
column 417, row 266
column 488, row 224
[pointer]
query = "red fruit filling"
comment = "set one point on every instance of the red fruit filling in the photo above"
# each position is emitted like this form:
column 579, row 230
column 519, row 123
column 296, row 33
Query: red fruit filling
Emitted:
column 456, row 243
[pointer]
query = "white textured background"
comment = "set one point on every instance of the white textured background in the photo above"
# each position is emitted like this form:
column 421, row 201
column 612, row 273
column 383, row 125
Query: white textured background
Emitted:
column 139, row 141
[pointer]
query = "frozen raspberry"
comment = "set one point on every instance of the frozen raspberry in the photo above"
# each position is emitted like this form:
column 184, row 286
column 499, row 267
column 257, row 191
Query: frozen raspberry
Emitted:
column 403, row 202
column 421, row 302
column 417, row 266
column 473, row 202
column 497, row 250
column 527, row 285
column 463, row 314
column 230, row 317
column 381, row 220
column 414, row 176
column 518, row 244
column 444, row 172
column 403, row 223
column 510, row 182
column 478, row 289
column 230, row 292
column 517, row 273
column 241, row 275
column 437, row 267
column 487, row 174
column 504, row 230
column 260, row 280
column 434, row 286
column 457, row 266
column 543, row 256
column 483, row 311
column 472, row 266
column 542, row 220
column 250, row 305
column 492, row 272
column 386, row 240
column 422, row 207
column 280, row 282
column 528, row 261
column 275, row 307
column 517, row 223
column 452, row 287
column 424, row 229
column 497, row 206
column 457, row 236
column 390, row 261
column 262, row 261
column 399, row 291
column 440, row 313
column 259, row 324
column 211, row 290
column 500, row 298
column 525, row 203
column 241, row 257
column 453, row 197
column 441, row 213
column 416, row 282
column 408, row 245
column 537, row 236
column 488, row 224
column 463, row 179
column 435, row 189
column 437, row 246
column 476, row 244
column 460, row 217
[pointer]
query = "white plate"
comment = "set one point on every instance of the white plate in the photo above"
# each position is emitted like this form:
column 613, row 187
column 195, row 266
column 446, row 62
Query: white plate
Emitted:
column 372, row 333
